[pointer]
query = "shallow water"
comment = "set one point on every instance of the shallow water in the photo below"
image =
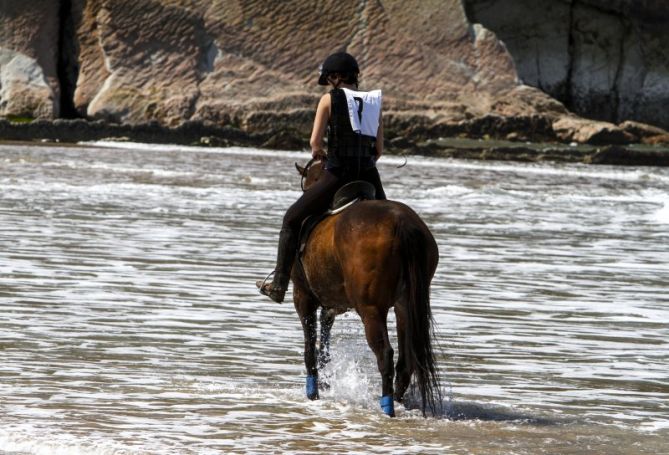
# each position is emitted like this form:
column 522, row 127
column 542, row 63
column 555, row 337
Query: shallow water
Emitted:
column 130, row 322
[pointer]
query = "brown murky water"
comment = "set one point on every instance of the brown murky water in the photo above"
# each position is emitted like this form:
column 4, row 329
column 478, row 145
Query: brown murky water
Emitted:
column 130, row 323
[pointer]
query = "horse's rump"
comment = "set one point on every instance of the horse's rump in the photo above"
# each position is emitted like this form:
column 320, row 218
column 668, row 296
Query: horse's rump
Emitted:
column 359, row 250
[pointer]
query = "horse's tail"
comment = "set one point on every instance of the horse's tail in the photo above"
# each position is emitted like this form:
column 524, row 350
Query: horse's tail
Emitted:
column 414, row 246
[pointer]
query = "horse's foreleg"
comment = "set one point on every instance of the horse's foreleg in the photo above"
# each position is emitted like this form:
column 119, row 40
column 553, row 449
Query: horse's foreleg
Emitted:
column 309, row 328
column 403, row 370
column 306, row 306
column 377, row 338
column 327, row 319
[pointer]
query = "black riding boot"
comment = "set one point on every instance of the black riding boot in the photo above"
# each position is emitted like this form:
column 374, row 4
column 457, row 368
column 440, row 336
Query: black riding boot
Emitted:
column 276, row 290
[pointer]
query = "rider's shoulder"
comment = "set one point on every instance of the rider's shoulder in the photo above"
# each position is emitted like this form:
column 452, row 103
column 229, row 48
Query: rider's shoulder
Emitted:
column 326, row 100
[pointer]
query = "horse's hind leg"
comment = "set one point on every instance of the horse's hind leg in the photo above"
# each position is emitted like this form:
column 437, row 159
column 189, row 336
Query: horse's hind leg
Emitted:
column 377, row 338
column 403, row 370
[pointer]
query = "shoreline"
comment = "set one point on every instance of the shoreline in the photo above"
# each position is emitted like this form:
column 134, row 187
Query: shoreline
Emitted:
column 205, row 135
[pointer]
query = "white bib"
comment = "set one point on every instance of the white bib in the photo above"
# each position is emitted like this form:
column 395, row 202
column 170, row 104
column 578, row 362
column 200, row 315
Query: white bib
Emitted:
column 364, row 110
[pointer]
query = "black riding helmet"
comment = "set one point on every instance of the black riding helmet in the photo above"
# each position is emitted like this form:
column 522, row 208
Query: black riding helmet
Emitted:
column 339, row 62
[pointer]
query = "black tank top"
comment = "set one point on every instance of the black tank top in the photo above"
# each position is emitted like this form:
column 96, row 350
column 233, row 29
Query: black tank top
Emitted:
column 346, row 147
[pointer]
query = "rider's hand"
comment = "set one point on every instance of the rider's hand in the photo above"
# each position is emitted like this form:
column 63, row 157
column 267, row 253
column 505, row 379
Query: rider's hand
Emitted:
column 318, row 154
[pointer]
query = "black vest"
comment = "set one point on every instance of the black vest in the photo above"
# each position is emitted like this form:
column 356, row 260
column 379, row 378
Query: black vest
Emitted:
column 344, row 143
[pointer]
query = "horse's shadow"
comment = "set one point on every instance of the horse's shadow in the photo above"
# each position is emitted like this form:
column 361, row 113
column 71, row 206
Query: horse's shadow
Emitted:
column 463, row 411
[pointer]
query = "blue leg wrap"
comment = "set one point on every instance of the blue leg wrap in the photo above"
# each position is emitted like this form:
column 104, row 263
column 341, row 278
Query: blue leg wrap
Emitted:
column 388, row 405
column 312, row 387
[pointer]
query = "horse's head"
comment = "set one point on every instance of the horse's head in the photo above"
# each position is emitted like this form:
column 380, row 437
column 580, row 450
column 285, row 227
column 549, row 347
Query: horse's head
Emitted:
column 310, row 173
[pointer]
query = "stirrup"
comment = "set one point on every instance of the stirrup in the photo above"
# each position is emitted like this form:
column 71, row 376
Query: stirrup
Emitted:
column 270, row 290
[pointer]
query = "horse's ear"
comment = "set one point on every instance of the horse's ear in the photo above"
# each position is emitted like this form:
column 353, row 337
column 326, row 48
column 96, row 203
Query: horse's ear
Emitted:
column 300, row 169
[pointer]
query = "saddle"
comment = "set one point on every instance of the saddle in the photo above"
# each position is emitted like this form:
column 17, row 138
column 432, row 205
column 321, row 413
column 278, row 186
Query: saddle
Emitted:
column 346, row 196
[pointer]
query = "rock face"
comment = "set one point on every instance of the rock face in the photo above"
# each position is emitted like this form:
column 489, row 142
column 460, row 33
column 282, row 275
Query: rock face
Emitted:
column 574, row 129
column 252, row 64
column 146, row 63
column 604, row 59
column 29, row 36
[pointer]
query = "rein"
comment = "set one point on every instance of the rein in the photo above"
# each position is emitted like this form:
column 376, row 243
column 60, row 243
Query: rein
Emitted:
column 305, row 172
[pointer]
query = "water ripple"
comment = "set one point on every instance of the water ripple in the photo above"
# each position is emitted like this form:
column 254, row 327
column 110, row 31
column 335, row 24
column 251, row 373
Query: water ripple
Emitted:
column 131, row 323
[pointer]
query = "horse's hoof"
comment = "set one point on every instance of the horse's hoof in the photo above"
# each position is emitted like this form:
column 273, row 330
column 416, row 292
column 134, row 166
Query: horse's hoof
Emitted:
column 312, row 387
column 388, row 406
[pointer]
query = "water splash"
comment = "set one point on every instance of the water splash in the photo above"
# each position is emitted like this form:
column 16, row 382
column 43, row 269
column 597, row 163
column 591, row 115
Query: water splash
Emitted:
column 351, row 374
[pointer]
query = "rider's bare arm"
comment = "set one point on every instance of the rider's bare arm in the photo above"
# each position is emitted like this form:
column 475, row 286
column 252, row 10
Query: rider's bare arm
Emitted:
column 320, row 126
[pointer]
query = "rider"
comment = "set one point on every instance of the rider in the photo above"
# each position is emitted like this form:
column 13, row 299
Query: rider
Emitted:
column 352, row 155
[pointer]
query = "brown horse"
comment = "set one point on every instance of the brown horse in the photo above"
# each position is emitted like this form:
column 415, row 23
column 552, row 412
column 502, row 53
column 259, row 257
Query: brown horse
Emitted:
column 371, row 257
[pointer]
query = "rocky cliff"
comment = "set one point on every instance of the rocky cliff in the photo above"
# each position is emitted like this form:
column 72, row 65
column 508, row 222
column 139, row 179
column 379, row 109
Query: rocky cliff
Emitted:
column 604, row 59
column 252, row 65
